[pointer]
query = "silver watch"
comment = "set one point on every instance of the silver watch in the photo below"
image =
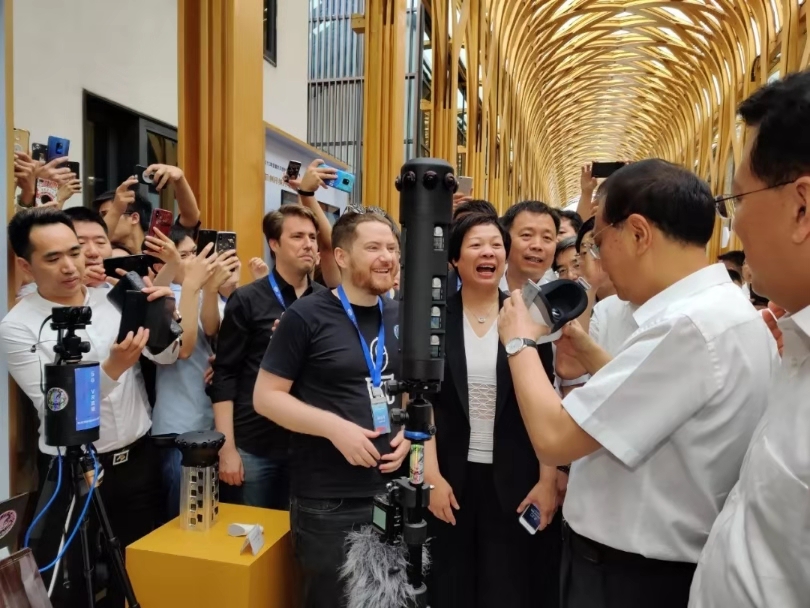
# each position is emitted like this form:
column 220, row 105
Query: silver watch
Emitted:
column 515, row 345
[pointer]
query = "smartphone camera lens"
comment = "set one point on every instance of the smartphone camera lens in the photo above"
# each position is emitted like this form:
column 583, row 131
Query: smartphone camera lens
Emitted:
column 345, row 182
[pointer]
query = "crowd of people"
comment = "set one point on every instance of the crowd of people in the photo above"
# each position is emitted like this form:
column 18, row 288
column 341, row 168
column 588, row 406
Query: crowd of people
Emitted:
column 661, row 438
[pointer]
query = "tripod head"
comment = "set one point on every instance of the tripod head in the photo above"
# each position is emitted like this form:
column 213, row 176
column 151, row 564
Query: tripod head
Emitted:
column 70, row 347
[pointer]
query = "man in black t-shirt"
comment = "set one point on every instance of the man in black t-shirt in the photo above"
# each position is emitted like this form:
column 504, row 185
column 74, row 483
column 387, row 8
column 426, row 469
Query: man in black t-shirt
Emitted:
column 324, row 377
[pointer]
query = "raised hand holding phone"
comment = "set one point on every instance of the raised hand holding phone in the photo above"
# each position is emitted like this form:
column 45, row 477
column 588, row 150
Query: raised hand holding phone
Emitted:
column 162, row 175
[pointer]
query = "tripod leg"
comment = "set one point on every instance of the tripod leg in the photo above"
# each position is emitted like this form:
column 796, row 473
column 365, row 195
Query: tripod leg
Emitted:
column 80, row 489
column 114, row 551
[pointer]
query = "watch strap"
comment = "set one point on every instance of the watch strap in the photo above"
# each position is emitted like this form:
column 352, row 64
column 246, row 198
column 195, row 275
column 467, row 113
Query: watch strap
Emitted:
column 305, row 193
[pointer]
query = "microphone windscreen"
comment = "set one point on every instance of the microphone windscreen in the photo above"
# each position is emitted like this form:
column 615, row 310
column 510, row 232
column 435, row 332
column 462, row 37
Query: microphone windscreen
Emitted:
column 376, row 572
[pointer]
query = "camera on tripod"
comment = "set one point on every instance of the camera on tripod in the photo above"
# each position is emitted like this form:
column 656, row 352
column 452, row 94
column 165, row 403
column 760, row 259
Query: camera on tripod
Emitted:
column 387, row 516
column 72, row 387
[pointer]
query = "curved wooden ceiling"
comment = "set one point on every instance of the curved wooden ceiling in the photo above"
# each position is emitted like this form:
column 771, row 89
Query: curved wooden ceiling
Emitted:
column 609, row 80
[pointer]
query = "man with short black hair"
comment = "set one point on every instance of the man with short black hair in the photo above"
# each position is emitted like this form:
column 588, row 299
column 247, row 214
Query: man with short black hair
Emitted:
column 474, row 206
column 733, row 260
column 253, row 462
column 566, row 259
column 570, row 223
column 48, row 248
column 324, row 378
column 758, row 553
column 92, row 233
column 533, row 227
column 658, row 434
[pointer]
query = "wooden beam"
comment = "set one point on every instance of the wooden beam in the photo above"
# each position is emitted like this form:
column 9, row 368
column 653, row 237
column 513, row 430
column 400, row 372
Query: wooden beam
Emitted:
column 221, row 131
column 358, row 24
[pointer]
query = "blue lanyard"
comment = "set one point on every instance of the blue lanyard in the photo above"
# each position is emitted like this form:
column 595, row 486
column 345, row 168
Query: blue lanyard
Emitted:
column 374, row 368
column 276, row 290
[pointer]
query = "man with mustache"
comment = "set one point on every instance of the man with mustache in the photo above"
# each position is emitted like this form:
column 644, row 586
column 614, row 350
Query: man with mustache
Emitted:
column 324, row 378
column 253, row 461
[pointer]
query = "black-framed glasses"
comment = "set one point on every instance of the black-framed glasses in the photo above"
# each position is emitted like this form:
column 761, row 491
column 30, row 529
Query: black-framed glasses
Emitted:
column 726, row 204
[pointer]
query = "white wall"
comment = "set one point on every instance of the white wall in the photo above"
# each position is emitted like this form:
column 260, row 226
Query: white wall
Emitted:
column 123, row 51
column 285, row 84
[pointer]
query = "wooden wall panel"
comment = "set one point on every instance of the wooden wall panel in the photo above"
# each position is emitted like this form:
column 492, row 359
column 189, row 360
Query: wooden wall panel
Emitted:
column 221, row 130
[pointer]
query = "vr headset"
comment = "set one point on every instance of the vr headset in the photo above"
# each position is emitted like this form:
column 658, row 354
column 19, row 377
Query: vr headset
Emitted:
column 136, row 311
column 555, row 304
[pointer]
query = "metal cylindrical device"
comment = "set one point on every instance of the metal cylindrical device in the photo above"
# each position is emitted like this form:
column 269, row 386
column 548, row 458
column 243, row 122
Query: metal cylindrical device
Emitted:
column 199, row 484
column 72, row 403
column 426, row 187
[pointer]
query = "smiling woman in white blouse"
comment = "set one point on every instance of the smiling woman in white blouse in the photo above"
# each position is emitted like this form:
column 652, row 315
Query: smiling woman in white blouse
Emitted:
column 482, row 465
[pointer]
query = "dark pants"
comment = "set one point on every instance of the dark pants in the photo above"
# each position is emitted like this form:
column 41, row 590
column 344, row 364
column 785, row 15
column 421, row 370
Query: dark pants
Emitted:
column 172, row 474
column 488, row 560
column 596, row 576
column 132, row 497
column 319, row 528
column 266, row 483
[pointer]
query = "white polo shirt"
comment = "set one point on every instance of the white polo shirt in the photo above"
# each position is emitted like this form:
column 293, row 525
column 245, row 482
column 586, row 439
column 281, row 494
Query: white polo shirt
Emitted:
column 124, row 406
column 758, row 553
column 674, row 412
column 612, row 323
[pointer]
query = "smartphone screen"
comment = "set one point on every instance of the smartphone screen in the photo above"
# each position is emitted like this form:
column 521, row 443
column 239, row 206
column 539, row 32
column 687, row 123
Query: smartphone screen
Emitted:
column 204, row 238
column 601, row 170
column 531, row 519
column 293, row 169
column 162, row 219
column 39, row 152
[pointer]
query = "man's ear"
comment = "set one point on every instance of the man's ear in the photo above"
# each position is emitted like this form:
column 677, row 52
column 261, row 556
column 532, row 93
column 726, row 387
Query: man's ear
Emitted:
column 273, row 245
column 25, row 267
column 134, row 218
column 799, row 210
column 641, row 231
column 341, row 257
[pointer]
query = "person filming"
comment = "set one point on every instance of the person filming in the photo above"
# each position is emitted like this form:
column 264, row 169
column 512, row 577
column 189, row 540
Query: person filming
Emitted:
column 48, row 248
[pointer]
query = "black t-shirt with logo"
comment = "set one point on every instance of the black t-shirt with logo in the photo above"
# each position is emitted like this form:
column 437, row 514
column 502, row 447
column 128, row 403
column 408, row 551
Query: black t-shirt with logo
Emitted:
column 317, row 347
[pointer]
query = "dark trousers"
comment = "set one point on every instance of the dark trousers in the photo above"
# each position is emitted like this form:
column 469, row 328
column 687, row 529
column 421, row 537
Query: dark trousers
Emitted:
column 132, row 497
column 596, row 576
column 319, row 528
column 172, row 474
column 266, row 483
column 488, row 560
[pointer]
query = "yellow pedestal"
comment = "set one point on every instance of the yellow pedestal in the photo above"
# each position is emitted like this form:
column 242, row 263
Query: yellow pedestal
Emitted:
column 174, row 568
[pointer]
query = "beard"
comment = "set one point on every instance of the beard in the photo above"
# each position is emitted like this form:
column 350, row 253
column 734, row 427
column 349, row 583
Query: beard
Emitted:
column 372, row 282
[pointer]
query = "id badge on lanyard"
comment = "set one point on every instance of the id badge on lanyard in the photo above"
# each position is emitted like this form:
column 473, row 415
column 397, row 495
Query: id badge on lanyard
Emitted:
column 379, row 400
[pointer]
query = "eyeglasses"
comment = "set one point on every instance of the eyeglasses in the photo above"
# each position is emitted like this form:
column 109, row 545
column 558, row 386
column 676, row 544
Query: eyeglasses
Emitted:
column 593, row 248
column 564, row 271
column 726, row 204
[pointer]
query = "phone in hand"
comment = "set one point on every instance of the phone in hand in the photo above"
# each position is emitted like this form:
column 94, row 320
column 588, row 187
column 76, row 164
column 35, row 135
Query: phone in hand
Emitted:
column 226, row 241
column 531, row 518
column 139, row 263
column 204, row 238
column 601, row 170
column 22, row 140
column 144, row 177
column 39, row 152
column 465, row 185
column 74, row 168
column 293, row 170
column 57, row 147
column 46, row 191
column 344, row 180
column 162, row 219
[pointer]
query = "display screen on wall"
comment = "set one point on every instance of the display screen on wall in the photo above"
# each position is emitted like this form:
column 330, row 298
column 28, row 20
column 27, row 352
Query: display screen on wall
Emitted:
column 332, row 213
column 288, row 198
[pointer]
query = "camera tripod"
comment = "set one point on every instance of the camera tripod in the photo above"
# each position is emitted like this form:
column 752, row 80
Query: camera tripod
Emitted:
column 412, row 494
column 83, row 467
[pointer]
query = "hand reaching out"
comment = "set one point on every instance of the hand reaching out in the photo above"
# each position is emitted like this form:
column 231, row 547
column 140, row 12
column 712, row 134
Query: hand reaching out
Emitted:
column 587, row 182
column 163, row 175
column 314, row 177
column 258, row 268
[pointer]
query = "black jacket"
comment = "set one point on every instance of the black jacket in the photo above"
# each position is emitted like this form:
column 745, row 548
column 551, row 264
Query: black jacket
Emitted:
column 516, row 466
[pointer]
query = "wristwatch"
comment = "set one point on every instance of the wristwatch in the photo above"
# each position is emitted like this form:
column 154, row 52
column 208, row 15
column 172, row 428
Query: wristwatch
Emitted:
column 515, row 345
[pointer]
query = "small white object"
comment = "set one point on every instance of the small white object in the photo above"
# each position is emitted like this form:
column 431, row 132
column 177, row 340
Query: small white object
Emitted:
column 254, row 540
column 241, row 529
column 726, row 236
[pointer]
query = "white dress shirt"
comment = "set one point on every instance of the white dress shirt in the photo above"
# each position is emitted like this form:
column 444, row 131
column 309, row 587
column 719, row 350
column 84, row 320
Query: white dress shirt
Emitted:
column 758, row 553
column 612, row 323
column 674, row 411
column 124, row 405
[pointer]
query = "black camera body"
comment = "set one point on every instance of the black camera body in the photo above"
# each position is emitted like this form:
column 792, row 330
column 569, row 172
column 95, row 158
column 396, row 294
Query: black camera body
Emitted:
column 387, row 517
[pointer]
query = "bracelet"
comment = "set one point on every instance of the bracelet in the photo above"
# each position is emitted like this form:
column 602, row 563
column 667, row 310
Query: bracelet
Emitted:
column 305, row 193
column 566, row 468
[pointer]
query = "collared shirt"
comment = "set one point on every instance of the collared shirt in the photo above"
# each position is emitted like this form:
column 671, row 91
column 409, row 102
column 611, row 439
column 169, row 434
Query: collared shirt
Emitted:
column 758, row 553
column 612, row 323
column 549, row 276
column 246, row 330
column 181, row 404
column 124, row 406
column 674, row 412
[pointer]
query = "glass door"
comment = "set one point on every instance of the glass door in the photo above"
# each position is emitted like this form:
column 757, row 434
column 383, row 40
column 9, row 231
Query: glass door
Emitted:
column 158, row 144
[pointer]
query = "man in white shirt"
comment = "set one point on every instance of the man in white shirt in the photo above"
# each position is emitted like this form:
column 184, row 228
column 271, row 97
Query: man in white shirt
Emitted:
column 758, row 553
column 49, row 249
column 659, row 432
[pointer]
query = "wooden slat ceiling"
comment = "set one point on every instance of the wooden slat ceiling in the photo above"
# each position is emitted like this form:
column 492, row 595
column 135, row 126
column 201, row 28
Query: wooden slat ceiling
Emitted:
column 606, row 80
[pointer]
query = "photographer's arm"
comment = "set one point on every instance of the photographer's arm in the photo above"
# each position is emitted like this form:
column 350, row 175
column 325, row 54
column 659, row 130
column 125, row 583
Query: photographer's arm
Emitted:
column 311, row 182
